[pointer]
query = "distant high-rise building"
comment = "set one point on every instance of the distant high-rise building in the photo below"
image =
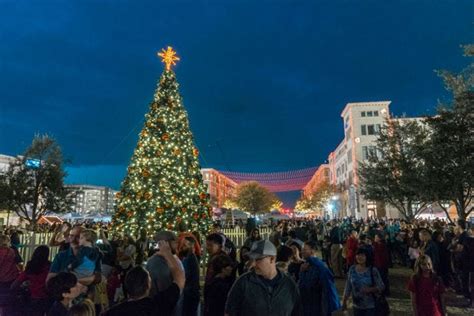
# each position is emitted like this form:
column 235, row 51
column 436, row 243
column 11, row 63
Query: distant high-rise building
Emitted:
column 89, row 199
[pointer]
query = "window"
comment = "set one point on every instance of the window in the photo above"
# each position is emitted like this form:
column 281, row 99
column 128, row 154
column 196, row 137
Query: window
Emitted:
column 365, row 153
column 371, row 129
column 372, row 150
column 349, row 155
column 348, row 133
column 377, row 128
column 369, row 113
column 376, row 113
column 363, row 129
column 362, row 113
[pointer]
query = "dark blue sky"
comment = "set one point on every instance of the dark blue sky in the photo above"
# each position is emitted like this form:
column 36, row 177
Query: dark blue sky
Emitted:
column 266, row 80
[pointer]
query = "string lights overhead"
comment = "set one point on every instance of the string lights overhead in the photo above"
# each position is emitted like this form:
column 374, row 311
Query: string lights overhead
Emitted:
column 293, row 180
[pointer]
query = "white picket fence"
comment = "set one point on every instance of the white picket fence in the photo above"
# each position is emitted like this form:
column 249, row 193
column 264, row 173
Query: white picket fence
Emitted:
column 29, row 241
column 238, row 235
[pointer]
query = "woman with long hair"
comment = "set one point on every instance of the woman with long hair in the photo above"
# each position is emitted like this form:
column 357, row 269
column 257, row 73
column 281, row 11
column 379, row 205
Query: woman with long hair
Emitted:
column 34, row 276
column 363, row 284
column 426, row 289
column 253, row 237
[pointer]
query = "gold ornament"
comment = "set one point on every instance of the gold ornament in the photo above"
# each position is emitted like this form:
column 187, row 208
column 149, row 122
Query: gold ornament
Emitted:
column 147, row 195
column 118, row 195
column 145, row 173
column 160, row 210
column 176, row 152
column 195, row 152
column 168, row 57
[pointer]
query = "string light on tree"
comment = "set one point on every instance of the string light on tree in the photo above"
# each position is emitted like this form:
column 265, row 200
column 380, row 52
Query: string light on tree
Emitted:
column 163, row 188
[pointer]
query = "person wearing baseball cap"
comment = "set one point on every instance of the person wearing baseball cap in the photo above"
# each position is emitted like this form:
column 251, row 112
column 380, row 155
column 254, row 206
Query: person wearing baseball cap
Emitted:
column 265, row 290
column 158, row 267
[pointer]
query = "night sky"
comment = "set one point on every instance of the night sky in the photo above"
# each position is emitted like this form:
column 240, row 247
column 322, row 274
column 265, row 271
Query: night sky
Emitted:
column 264, row 82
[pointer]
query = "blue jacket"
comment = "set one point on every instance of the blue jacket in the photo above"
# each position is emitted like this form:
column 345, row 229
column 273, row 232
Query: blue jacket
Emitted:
column 318, row 289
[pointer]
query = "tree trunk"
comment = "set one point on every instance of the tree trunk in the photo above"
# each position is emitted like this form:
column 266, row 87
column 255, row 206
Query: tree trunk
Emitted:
column 460, row 209
column 446, row 212
column 410, row 210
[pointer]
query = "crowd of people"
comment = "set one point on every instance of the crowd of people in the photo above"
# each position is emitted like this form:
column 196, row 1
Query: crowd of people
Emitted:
column 292, row 272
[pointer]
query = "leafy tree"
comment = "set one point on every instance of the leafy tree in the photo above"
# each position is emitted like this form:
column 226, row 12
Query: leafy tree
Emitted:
column 163, row 188
column 230, row 204
column 34, row 183
column 277, row 205
column 395, row 173
column 450, row 154
column 318, row 199
column 254, row 198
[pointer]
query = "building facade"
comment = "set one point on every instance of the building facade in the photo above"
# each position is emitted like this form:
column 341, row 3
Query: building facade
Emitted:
column 219, row 187
column 320, row 177
column 90, row 199
column 362, row 123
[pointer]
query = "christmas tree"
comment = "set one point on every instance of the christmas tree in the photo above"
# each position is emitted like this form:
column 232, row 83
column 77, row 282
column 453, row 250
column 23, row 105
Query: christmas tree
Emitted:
column 163, row 188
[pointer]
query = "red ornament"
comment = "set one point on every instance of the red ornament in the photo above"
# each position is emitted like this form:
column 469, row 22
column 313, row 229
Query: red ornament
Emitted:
column 183, row 209
column 160, row 210
column 203, row 215
column 178, row 219
column 165, row 137
column 195, row 152
column 202, row 195
column 196, row 216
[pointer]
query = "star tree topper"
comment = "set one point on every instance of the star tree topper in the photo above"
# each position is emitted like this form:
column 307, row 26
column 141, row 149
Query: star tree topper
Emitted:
column 168, row 57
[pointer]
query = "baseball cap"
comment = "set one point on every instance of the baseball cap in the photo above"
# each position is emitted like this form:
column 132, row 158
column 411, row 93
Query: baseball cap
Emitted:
column 165, row 235
column 262, row 248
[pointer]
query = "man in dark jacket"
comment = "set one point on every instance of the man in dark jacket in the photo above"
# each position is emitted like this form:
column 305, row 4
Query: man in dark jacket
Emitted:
column 265, row 290
column 317, row 287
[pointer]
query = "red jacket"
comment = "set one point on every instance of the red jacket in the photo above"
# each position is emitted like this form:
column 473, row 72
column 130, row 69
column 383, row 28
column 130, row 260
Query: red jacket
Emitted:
column 8, row 268
column 352, row 245
column 381, row 256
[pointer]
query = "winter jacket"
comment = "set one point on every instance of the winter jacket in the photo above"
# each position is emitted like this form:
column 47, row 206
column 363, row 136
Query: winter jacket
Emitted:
column 318, row 290
column 250, row 296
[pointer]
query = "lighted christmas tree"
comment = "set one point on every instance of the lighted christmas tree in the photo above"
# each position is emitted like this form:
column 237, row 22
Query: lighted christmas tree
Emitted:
column 163, row 188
